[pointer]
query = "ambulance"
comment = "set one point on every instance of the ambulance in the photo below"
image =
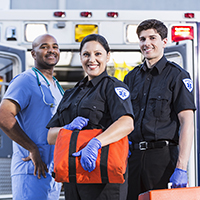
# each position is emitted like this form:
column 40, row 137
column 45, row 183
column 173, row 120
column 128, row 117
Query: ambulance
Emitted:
column 18, row 28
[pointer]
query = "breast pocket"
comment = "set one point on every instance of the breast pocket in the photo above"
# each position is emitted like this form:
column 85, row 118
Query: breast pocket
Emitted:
column 135, row 101
column 159, row 106
column 64, row 114
column 94, row 110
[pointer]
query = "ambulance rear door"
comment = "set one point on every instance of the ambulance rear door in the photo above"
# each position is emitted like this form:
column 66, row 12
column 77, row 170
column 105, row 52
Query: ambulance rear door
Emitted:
column 12, row 62
column 183, row 54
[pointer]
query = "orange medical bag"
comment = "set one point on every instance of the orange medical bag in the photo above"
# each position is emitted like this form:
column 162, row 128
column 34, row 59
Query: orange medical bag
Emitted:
column 110, row 165
column 188, row 193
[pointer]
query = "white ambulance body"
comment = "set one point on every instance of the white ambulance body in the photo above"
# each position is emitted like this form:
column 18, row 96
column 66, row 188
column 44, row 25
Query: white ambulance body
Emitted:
column 20, row 27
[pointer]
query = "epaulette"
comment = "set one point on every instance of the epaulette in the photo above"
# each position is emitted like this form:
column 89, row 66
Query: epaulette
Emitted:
column 114, row 79
column 174, row 64
column 177, row 66
column 138, row 66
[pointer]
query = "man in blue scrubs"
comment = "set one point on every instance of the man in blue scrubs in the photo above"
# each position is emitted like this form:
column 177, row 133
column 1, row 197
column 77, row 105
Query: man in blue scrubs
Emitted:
column 28, row 105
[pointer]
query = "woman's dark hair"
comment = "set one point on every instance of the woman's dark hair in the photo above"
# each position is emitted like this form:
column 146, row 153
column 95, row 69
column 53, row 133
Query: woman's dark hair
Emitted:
column 153, row 24
column 97, row 38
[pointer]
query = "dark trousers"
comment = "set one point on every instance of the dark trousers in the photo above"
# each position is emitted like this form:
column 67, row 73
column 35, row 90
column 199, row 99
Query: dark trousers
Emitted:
column 109, row 191
column 150, row 169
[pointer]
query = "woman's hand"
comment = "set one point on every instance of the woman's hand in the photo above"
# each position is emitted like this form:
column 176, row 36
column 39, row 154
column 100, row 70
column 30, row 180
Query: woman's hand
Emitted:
column 89, row 154
column 77, row 123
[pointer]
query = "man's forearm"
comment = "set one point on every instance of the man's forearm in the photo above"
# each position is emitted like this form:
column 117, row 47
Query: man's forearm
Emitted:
column 16, row 134
column 185, row 139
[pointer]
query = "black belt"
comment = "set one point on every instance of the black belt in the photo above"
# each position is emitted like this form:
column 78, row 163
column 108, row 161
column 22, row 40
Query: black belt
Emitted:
column 150, row 145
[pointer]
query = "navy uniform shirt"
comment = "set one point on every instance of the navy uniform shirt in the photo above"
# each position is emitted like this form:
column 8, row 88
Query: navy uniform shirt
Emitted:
column 157, row 96
column 103, row 100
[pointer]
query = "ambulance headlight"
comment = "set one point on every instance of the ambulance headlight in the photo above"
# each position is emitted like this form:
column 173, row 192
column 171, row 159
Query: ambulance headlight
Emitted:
column 34, row 30
column 131, row 35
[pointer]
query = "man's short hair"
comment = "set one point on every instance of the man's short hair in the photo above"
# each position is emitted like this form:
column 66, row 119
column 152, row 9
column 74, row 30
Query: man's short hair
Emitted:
column 157, row 25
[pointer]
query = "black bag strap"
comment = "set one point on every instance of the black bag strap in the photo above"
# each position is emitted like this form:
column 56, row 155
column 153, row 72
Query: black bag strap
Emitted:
column 104, row 164
column 72, row 160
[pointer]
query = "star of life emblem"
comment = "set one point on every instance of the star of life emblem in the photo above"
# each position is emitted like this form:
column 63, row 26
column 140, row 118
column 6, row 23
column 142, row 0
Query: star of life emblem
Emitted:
column 122, row 92
column 188, row 84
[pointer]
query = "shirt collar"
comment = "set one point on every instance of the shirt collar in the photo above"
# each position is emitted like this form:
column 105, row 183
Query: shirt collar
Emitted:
column 94, row 81
column 159, row 66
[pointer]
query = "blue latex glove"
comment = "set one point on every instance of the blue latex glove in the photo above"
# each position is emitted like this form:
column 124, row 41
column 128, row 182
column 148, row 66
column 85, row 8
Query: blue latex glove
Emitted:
column 77, row 123
column 89, row 154
column 129, row 152
column 179, row 178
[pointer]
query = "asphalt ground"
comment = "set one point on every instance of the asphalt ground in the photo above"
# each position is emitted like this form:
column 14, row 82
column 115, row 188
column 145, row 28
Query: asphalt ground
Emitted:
column 9, row 196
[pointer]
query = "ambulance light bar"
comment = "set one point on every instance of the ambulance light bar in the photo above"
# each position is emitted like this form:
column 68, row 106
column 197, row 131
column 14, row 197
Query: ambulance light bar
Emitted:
column 86, row 14
column 189, row 15
column 59, row 14
column 180, row 33
column 112, row 14
column 82, row 30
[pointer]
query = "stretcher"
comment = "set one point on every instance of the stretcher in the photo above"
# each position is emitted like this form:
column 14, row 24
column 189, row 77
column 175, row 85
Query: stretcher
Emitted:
column 188, row 193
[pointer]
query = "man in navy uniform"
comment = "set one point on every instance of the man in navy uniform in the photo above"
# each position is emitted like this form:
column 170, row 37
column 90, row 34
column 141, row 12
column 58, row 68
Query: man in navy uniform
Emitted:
column 163, row 103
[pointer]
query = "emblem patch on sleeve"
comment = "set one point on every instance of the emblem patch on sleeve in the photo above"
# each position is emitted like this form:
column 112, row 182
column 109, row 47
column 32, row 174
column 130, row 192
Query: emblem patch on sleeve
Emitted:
column 122, row 92
column 188, row 84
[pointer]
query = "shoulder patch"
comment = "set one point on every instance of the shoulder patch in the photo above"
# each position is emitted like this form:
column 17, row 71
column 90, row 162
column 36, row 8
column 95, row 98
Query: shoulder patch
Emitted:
column 122, row 92
column 188, row 84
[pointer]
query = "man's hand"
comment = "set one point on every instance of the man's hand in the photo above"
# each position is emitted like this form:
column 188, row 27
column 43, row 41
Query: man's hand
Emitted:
column 39, row 165
column 77, row 123
column 179, row 178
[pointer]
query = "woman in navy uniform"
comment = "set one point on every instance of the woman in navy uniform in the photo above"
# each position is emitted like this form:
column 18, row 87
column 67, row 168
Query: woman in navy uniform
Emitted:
column 103, row 101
